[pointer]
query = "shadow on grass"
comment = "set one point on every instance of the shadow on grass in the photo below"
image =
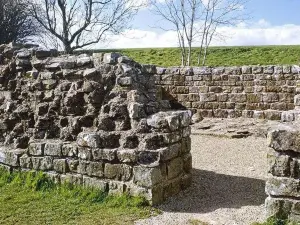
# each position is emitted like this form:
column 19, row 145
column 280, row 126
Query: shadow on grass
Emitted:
column 210, row 191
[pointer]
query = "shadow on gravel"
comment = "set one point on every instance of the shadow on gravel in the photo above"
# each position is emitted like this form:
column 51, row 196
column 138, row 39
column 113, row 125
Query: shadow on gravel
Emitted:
column 210, row 191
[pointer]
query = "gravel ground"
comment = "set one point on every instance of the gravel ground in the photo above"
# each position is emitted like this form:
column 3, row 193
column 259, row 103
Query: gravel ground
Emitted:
column 228, row 184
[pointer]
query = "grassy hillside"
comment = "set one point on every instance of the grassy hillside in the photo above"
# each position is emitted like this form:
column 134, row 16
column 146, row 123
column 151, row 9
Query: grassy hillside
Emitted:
column 32, row 198
column 218, row 56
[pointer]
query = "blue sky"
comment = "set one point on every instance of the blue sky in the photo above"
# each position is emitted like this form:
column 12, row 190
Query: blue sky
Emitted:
column 277, row 12
column 273, row 22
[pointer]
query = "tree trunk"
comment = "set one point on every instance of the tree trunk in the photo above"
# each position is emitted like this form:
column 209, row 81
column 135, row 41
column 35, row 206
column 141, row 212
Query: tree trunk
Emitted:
column 189, row 54
column 68, row 48
column 204, row 56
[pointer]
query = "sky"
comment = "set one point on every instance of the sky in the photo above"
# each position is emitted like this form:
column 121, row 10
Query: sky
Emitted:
column 270, row 22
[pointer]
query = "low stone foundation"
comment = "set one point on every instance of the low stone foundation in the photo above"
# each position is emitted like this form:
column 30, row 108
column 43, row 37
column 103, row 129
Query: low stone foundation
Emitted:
column 154, row 165
column 93, row 120
column 283, row 185
column 260, row 92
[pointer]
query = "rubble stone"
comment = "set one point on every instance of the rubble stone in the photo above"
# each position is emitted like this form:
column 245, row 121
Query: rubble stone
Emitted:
column 98, row 121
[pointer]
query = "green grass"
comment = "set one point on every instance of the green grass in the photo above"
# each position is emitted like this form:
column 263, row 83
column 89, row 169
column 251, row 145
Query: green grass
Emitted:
column 276, row 221
column 217, row 56
column 32, row 198
column 196, row 222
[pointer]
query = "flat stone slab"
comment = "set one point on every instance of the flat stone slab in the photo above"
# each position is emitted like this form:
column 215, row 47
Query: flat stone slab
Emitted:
column 236, row 127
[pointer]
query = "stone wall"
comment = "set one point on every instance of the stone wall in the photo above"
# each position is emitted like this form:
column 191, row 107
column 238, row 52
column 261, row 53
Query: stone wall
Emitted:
column 283, row 185
column 93, row 120
column 228, row 92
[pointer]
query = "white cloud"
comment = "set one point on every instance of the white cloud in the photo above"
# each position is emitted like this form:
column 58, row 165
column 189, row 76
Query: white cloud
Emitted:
column 259, row 33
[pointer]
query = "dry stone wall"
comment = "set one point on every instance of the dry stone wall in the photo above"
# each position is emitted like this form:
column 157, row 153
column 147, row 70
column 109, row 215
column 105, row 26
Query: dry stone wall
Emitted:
column 229, row 92
column 92, row 120
column 283, row 184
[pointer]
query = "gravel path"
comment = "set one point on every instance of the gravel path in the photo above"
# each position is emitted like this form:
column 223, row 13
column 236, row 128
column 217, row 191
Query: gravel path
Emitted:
column 228, row 184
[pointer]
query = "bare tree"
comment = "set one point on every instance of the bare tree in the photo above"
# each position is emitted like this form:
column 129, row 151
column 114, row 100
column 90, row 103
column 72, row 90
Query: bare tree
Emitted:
column 180, row 16
column 80, row 23
column 16, row 24
column 196, row 21
column 218, row 13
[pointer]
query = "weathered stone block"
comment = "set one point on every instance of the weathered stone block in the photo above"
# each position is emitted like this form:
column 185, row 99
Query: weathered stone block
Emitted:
column 111, row 58
column 75, row 179
column 118, row 171
column 282, row 186
column 147, row 177
column 174, row 121
column 272, row 114
column 258, row 115
column 47, row 75
column 72, row 165
column 238, row 98
column 149, row 158
column 297, row 100
column 257, row 69
column 124, row 81
column 186, row 145
column 42, row 163
column 208, row 97
column 83, row 167
column 127, row 155
column 53, row 148
column 288, row 116
column 84, row 153
column 158, row 121
column 153, row 141
column 49, row 84
column 279, row 165
column 104, row 154
column 83, row 60
column 36, row 162
column 187, row 163
column 91, row 74
column 95, row 183
column 186, row 132
column 278, row 207
column 36, row 149
column 95, row 169
column 25, row 161
column 69, row 150
column 11, row 157
column 284, row 139
column 116, row 187
column 233, row 70
column 170, row 152
column 170, row 138
column 270, row 97
column 60, row 165
column 175, row 168
column 87, row 139
column 218, row 70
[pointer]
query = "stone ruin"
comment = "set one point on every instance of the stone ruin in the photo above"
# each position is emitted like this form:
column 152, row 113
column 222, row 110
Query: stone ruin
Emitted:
column 283, row 184
column 91, row 120
column 101, row 121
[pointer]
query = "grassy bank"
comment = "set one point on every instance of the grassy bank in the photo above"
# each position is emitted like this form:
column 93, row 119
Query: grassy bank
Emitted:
column 28, row 198
column 217, row 56
column 276, row 221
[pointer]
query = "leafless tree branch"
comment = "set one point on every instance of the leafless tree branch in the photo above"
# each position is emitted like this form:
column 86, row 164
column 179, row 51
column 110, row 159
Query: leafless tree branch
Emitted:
column 80, row 23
